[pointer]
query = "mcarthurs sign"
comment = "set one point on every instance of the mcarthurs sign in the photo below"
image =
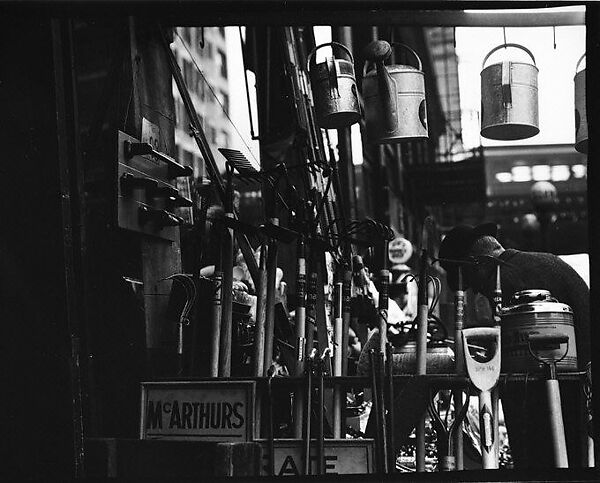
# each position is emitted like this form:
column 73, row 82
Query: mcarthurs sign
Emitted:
column 197, row 410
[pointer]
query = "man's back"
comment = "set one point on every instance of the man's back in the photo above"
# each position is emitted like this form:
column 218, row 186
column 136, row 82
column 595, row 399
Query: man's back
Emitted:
column 531, row 270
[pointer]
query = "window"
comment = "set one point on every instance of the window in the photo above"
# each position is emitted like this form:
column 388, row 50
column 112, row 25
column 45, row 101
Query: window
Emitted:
column 222, row 62
column 187, row 35
column 188, row 158
column 225, row 102
column 183, row 120
column 224, row 139
column 211, row 134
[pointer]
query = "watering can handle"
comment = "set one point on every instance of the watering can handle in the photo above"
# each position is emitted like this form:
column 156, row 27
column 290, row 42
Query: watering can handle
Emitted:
column 420, row 64
column 332, row 44
column 399, row 44
column 518, row 46
column 579, row 62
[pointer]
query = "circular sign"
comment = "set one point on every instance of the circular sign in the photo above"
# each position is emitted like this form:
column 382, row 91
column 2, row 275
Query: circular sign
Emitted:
column 400, row 250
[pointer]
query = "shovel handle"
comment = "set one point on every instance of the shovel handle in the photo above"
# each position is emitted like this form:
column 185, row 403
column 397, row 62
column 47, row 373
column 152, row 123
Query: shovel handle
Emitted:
column 489, row 457
column 557, row 427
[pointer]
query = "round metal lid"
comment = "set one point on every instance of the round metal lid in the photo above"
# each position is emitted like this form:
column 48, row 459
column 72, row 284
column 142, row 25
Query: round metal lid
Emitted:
column 537, row 307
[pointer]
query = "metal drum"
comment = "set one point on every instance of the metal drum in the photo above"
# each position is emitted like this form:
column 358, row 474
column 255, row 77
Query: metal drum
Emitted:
column 535, row 312
column 333, row 84
column 581, row 127
column 394, row 97
column 509, row 98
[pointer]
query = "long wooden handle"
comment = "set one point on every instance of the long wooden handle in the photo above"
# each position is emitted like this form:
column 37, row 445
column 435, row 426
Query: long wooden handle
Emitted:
column 459, row 358
column 301, row 348
column 270, row 317
column 337, row 360
column 486, row 431
column 557, row 427
column 261, row 313
column 226, row 310
column 216, row 324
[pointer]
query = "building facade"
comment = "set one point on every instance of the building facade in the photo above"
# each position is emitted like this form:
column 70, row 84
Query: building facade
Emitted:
column 202, row 56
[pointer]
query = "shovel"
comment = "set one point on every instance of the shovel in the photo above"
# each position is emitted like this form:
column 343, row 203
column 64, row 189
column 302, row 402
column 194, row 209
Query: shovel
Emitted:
column 482, row 356
column 543, row 347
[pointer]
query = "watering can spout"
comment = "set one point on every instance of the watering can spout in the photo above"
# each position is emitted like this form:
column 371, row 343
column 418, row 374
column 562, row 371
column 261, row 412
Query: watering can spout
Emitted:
column 378, row 52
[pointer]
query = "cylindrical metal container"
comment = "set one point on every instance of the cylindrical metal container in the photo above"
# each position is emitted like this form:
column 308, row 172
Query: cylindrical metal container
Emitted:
column 535, row 312
column 440, row 359
column 581, row 127
column 509, row 98
column 401, row 116
column 333, row 84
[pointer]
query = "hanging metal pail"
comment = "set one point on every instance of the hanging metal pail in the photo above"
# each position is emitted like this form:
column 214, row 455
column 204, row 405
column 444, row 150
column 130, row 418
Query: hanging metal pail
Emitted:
column 581, row 127
column 334, row 89
column 535, row 312
column 394, row 97
column 509, row 98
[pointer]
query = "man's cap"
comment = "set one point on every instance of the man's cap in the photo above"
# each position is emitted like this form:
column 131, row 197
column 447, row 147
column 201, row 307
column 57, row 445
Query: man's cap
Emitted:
column 456, row 245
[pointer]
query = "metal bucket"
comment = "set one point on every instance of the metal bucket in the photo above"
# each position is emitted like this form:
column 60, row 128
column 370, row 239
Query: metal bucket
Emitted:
column 333, row 84
column 581, row 127
column 535, row 312
column 395, row 107
column 440, row 359
column 509, row 98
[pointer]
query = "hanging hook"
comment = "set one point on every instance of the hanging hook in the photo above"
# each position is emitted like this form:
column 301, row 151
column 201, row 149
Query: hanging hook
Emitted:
column 504, row 34
column 554, row 35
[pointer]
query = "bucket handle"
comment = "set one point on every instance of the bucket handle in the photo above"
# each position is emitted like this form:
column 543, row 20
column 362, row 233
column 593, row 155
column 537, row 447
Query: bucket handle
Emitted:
column 518, row 46
column 332, row 44
column 393, row 44
column 579, row 62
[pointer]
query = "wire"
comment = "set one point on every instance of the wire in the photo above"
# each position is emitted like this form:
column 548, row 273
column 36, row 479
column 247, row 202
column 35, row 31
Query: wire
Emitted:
column 215, row 95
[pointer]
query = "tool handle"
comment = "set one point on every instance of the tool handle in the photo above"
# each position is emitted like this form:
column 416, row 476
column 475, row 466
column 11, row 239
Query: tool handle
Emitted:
column 261, row 313
column 557, row 427
column 215, row 332
column 486, row 431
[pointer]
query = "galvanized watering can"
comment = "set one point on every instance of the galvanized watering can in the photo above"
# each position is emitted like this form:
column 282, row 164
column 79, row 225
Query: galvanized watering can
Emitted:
column 509, row 98
column 394, row 96
column 334, row 89
column 581, row 127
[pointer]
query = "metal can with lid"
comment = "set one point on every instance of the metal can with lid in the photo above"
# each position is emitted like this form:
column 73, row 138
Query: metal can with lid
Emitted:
column 535, row 312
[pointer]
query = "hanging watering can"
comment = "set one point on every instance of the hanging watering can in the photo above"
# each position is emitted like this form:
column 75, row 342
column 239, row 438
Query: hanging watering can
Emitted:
column 334, row 89
column 394, row 97
column 581, row 127
column 509, row 98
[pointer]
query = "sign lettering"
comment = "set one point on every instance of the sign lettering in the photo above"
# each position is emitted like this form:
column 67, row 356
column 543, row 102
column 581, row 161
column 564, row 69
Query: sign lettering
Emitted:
column 203, row 410
column 341, row 457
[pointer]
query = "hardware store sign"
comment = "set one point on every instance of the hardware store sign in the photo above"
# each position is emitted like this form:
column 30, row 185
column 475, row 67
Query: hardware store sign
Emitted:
column 197, row 410
column 342, row 456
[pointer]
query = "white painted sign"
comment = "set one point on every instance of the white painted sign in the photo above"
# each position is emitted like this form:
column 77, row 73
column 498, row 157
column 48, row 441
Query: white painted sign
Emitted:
column 198, row 410
column 400, row 250
column 342, row 456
